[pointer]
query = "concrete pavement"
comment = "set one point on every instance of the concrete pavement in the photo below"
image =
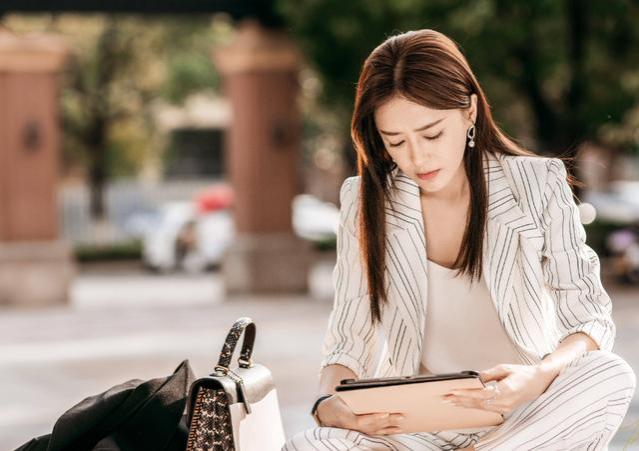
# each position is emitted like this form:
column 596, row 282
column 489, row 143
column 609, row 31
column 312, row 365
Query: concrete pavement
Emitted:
column 123, row 325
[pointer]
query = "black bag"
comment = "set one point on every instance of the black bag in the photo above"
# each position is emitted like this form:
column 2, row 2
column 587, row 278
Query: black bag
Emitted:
column 235, row 409
column 136, row 415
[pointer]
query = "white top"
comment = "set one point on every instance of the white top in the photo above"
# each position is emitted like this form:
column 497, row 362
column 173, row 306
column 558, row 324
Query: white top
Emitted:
column 462, row 330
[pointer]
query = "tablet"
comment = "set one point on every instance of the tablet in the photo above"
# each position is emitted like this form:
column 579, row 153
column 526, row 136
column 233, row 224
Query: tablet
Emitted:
column 420, row 399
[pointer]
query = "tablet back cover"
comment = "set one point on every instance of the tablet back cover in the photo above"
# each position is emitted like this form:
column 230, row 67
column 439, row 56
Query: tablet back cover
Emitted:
column 423, row 405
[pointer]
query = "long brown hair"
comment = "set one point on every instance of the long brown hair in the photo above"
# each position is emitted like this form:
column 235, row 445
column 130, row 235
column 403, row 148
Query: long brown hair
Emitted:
column 425, row 67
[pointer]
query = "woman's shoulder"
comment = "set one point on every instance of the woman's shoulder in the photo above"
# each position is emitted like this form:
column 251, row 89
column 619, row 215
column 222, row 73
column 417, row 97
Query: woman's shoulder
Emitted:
column 521, row 170
column 348, row 203
column 348, row 190
column 541, row 170
column 537, row 162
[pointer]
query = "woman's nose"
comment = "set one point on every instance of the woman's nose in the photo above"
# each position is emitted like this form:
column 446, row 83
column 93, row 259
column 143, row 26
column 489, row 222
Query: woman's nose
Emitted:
column 418, row 155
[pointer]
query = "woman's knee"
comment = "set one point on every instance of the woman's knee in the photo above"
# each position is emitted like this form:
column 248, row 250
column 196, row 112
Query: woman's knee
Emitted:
column 625, row 369
column 609, row 366
column 616, row 365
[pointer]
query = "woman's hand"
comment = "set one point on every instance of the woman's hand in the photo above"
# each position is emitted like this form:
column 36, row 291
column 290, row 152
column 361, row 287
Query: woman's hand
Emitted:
column 335, row 412
column 517, row 384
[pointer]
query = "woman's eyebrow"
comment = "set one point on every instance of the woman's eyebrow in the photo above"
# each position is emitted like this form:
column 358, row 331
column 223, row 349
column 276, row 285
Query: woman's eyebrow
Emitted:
column 425, row 127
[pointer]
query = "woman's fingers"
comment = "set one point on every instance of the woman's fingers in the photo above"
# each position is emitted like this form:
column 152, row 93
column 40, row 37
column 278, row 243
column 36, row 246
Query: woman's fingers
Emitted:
column 390, row 430
column 371, row 423
column 497, row 372
column 335, row 412
column 476, row 403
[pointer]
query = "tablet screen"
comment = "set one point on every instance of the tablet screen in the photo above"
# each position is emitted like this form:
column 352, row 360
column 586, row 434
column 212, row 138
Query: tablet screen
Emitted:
column 354, row 384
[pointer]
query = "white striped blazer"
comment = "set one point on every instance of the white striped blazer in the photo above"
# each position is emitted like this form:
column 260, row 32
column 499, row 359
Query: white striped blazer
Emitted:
column 543, row 278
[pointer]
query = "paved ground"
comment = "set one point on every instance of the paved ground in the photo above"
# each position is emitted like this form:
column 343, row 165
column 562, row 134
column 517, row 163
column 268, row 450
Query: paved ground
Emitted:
column 123, row 325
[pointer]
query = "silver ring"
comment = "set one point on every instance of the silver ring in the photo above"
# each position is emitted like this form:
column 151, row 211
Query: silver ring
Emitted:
column 490, row 400
column 496, row 390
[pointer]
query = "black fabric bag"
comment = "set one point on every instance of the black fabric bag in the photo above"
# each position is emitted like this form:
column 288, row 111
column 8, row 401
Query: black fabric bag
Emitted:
column 136, row 415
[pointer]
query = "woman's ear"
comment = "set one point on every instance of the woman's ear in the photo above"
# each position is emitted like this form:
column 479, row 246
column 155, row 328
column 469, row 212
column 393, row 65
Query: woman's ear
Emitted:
column 472, row 109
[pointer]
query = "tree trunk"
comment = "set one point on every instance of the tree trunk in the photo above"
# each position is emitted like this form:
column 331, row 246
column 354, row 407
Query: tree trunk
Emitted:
column 98, row 168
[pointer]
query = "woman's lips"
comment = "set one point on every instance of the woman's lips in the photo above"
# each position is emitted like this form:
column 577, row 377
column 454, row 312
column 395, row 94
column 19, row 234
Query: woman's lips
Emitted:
column 428, row 175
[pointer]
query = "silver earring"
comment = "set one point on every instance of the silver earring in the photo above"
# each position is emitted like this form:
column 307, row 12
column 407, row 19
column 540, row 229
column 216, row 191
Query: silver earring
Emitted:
column 470, row 134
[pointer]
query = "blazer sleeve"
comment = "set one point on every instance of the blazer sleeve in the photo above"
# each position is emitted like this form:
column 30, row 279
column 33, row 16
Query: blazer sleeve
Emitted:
column 571, row 268
column 350, row 338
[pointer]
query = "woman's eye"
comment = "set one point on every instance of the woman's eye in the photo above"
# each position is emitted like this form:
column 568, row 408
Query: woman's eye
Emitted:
column 430, row 138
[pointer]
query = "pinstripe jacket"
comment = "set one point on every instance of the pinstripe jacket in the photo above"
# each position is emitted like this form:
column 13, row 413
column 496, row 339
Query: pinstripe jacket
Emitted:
column 543, row 278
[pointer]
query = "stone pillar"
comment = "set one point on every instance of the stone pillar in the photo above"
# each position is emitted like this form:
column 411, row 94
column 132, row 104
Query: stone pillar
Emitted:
column 260, row 77
column 35, row 266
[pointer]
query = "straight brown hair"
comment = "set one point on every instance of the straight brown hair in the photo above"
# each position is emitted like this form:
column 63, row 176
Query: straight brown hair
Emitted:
column 425, row 67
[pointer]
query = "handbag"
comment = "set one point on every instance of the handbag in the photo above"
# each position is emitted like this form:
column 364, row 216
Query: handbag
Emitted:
column 235, row 409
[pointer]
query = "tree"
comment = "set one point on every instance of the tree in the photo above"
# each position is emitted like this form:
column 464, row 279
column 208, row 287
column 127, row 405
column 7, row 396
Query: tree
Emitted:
column 121, row 65
column 132, row 62
column 558, row 71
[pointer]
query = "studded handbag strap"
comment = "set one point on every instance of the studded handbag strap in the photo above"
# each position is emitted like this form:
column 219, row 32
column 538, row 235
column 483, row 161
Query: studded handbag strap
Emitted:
column 246, row 325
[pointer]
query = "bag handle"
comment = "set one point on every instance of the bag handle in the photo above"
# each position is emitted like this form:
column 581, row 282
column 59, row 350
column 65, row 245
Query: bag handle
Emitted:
column 243, row 324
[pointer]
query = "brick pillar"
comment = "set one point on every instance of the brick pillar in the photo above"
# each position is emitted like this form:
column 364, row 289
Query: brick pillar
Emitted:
column 35, row 266
column 260, row 77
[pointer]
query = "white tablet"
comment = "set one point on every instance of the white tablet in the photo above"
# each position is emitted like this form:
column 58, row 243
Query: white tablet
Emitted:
column 420, row 399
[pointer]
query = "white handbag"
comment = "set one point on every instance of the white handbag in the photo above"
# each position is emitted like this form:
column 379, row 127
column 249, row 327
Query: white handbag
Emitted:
column 235, row 409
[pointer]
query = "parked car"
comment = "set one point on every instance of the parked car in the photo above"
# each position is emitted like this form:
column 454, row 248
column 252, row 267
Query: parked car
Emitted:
column 193, row 235
column 619, row 205
column 185, row 239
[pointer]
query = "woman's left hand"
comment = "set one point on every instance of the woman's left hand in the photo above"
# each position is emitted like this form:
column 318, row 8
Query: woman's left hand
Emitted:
column 516, row 385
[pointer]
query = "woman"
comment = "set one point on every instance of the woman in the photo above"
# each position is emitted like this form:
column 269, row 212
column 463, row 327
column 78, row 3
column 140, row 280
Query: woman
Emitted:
column 486, row 268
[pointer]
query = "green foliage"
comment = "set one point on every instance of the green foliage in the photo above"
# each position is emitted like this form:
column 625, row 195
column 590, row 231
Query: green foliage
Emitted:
column 121, row 66
column 131, row 250
column 127, row 147
column 559, row 71
column 188, row 73
column 325, row 244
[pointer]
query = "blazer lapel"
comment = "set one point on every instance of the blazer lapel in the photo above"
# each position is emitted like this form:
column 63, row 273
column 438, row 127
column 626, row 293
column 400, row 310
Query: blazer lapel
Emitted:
column 403, row 319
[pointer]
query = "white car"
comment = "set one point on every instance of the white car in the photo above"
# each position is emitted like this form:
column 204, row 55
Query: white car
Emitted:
column 211, row 233
column 618, row 204
column 184, row 238
column 314, row 219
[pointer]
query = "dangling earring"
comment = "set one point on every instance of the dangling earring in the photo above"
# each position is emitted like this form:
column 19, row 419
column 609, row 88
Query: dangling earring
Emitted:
column 470, row 134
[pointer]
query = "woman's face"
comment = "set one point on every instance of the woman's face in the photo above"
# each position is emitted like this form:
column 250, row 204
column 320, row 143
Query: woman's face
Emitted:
column 420, row 139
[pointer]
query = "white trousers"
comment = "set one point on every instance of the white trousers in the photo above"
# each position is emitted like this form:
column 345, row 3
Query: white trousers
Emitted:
column 580, row 410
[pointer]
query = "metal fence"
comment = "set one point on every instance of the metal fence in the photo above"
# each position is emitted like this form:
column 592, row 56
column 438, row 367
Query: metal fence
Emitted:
column 130, row 206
